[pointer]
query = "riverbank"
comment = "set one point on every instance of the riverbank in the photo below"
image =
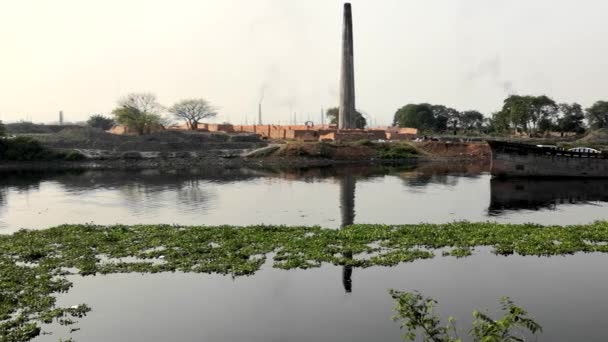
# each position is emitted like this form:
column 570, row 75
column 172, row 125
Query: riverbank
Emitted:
column 283, row 155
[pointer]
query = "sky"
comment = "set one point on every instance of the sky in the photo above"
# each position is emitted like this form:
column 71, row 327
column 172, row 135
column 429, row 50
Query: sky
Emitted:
column 81, row 57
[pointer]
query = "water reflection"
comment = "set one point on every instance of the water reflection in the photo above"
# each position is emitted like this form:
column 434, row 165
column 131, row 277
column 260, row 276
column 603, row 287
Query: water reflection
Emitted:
column 535, row 194
column 441, row 173
column 434, row 193
column 347, row 210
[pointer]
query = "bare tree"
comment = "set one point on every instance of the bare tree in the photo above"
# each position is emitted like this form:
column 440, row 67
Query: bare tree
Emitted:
column 143, row 102
column 193, row 111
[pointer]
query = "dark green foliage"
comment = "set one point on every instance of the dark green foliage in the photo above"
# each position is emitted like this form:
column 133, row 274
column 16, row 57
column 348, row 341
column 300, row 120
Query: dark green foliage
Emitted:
column 2, row 129
column 28, row 149
column 572, row 118
column 332, row 115
column 416, row 314
column 471, row 120
column 418, row 116
column 597, row 115
column 101, row 122
column 397, row 151
column 527, row 112
column 23, row 149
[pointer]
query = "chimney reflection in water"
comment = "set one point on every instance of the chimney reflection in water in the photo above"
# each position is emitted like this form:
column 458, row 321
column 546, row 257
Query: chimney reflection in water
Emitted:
column 347, row 211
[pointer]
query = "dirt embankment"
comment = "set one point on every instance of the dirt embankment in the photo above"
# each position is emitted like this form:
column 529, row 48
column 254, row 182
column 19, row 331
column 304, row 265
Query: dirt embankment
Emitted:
column 180, row 150
column 166, row 141
column 455, row 150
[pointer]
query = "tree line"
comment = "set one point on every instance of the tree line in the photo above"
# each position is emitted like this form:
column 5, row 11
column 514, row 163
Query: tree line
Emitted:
column 524, row 114
column 141, row 113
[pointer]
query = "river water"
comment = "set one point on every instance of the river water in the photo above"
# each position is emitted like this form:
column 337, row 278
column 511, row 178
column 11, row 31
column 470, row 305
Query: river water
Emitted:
column 565, row 294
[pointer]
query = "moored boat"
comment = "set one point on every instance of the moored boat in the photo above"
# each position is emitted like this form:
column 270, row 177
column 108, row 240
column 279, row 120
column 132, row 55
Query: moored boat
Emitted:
column 510, row 159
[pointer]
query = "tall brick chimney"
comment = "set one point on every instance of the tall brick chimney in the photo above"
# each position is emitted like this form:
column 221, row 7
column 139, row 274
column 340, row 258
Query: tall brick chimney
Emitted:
column 346, row 116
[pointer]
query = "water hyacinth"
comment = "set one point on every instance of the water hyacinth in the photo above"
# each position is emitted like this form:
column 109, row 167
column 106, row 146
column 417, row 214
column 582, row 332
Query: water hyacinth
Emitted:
column 34, row 264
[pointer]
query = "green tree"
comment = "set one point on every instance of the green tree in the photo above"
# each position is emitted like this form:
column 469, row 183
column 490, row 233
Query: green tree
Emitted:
column 571, row 119
column 500, row 122
column 597, row 114
column 420, row 116
column 416, row 314
column 471, row 120
column 139, row 112
column 445, row 118
column 2, row 129
column 193, row 111
column 526, row 112
column 101, row 122
column 332, row 115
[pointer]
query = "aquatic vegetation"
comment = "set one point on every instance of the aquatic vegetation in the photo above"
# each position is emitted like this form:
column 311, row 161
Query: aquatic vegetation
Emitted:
column 34, row 265
column 416, row 314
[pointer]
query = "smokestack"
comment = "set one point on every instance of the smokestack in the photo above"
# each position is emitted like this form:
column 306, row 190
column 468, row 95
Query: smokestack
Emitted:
column 260, row 113
column 322, row 117
column 347, row 78
column 60, row 118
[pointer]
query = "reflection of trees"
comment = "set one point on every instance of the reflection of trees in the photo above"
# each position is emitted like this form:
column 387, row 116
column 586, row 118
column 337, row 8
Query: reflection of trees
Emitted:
column 441, row 173
column 535, row 194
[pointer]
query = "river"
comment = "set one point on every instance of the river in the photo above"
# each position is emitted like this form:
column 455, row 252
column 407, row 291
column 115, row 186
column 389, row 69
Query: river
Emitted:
column 565, row 294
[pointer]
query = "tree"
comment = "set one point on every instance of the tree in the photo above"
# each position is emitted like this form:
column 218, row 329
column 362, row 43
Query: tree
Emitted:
column 471, row 120
column 499, row 122
column 445, row 117
column 2, row 129
column 597, row 114
column 571, row 119
column 193, row 111
column 138, row 111
column 526, row 112
column 418, row 116
column 332, row 114
column 101, row 122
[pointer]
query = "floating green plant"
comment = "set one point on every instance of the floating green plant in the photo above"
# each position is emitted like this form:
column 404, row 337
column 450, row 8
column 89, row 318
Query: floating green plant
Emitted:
column 34, row 265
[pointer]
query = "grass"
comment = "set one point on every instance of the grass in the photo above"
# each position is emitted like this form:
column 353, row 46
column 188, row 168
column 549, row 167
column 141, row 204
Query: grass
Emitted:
column 34, row 264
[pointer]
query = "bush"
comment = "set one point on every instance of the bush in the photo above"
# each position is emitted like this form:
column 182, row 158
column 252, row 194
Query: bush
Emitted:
column 23, row 149
column 28, row 149
column 397, row 151
column 2, row 129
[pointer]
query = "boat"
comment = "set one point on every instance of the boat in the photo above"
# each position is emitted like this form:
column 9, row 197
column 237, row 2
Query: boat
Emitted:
column 513, row 159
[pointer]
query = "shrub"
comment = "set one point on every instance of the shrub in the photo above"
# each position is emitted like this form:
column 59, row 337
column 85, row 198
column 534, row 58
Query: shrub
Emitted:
column 416, row 314
column 28, row 149
column 397, row 151
column 23, row 149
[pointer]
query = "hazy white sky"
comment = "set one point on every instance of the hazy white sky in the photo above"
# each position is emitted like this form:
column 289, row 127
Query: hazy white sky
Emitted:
column 80, row 56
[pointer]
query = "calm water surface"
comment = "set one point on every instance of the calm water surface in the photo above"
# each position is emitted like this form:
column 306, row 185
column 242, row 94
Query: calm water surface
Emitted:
column 565, row 294
column 326, row 197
